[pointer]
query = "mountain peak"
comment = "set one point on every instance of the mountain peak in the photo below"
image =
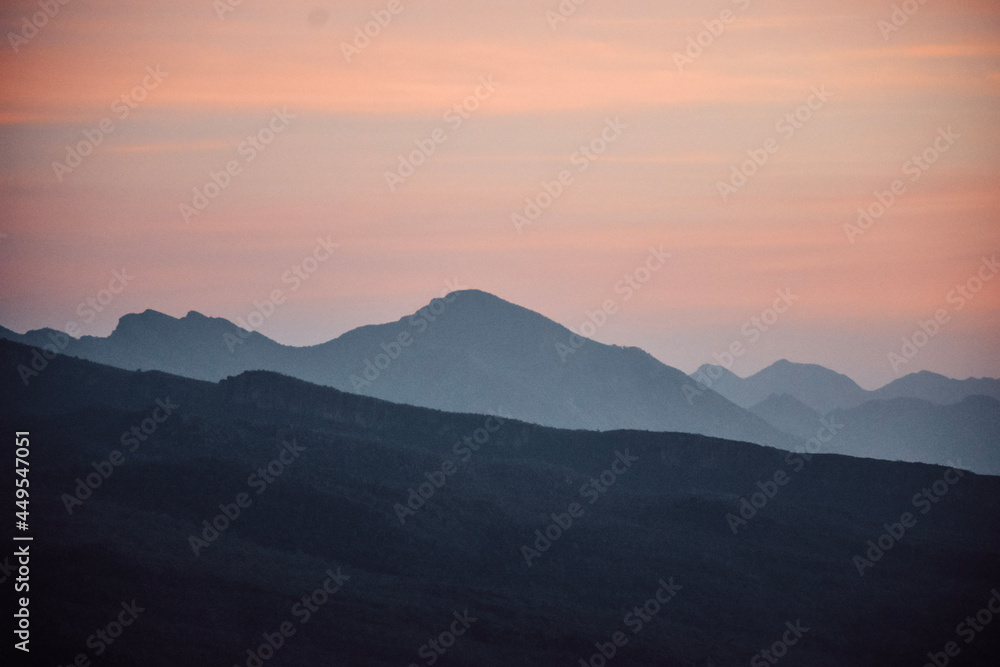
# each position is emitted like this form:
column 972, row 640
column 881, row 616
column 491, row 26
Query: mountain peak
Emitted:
column 477, row 310
column 818, row 387
column 479, row 299
column 787, row 365
column 152, row 322
column 716, row 373
column 132, row 324
column 147, row 316
column 473, row 294
column 801, row 370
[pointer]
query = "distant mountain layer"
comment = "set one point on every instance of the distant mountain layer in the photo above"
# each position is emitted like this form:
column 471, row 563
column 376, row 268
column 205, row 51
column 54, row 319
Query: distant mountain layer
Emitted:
column 467, row 352
column 817, row 387
column 473, row 352
column 789, row 414
column 938, row 388
column 265, row 512
column 965, row 434
column 921, row 417
column 823, row 390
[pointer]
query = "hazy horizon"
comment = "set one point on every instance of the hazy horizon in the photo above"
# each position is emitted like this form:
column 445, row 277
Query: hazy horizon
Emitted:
column 323, row 339
column 503, row 102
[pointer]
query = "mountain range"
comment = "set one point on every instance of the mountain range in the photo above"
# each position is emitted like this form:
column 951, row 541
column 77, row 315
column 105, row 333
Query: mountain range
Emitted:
column 473, row 352
column 824, row 390
column 919, row 417
column 467, row 352
column 265, row 520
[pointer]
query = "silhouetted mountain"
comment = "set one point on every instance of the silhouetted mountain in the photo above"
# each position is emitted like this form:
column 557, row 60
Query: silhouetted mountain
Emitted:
column 900, row 429
column 823, row 390
column 937, row 388
column 193, row 346
column 817, row 387
column 341, row 466
column 468, row 352
column 474, row 352
column 947, row 421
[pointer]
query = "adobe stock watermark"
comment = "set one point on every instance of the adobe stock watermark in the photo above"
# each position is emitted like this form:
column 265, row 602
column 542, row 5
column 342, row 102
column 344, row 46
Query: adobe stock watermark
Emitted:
column 303, row 611
column 915, row 168
column 581, row 159
column 779, row 649
column 899, row 17
column 363, row 35
column 295, row 276
column 958, row 297
column 752, row 330
column 132, row 438
column 635, row 621
column 121, row 108
column 924, row 501
column 454, row 117
column 420, row 322
column 786, row 126
column 968, row 629
column 88, row 310
column 223, row 7
column 437, row 479
column 594, row 489
column 750, row 506
column 22, row 616
column 563, row 11
column 249, row 149
column 229, row 512
column 437, row 646
column 697, row 43
column 30, row 27
column 628, row 286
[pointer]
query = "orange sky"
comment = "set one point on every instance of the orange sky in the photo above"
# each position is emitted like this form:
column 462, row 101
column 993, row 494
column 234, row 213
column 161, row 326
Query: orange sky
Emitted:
column 556, row 89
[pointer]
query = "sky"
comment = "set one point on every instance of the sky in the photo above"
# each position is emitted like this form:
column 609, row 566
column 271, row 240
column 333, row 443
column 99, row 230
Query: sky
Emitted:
column 683, row 167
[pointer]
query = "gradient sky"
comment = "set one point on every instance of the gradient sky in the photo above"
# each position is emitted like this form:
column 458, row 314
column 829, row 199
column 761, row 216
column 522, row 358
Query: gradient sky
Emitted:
column 63, row 235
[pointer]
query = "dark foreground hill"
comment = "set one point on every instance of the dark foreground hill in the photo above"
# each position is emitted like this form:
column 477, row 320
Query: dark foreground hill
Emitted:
column 325, row 474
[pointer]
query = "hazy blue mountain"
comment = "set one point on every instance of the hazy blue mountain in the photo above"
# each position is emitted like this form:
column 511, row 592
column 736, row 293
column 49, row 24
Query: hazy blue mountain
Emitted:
column 938, row 388
column 789, row 414
column 468, row 352
column 898, row 429
column 193, row 346
column 822, row 389
column 474, row 352
column 819, row 388
column 911, row 429
column 333, row 511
